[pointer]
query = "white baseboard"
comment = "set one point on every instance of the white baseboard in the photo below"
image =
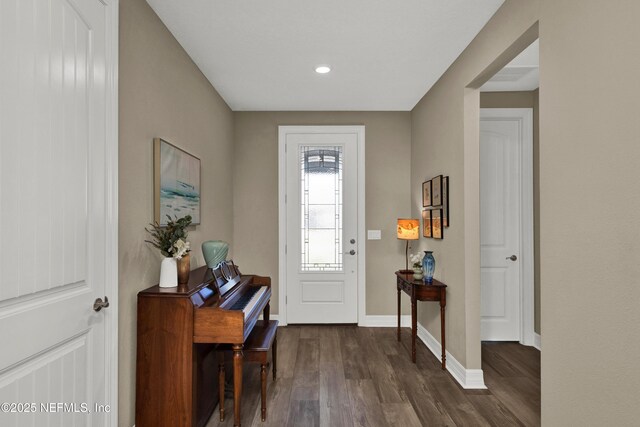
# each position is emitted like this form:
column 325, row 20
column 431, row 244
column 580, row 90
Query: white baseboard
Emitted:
column 537, row 341
column 385, row 321
column 467, row 378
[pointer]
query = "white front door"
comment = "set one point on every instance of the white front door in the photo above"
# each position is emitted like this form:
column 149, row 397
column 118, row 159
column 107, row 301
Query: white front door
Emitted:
column 502, row 137
column 57, row 211
column 321, row 224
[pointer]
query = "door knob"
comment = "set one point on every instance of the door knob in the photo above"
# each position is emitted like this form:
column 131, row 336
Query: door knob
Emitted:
column 351, row 252
column 512, row 258
column 99, row 304
column 352, row 241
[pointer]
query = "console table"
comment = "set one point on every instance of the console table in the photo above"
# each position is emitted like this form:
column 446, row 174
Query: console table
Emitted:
column 418, row 290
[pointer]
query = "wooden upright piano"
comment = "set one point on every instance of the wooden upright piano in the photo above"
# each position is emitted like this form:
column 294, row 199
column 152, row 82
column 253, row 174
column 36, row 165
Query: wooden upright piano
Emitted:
column 178, row 330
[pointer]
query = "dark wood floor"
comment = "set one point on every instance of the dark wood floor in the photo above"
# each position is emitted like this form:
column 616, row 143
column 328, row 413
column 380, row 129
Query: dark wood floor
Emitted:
column 350, row 376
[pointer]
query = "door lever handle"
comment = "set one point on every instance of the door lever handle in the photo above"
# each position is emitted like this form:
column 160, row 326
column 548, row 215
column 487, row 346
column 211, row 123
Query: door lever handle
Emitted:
column 512, row 258
column 99, row 304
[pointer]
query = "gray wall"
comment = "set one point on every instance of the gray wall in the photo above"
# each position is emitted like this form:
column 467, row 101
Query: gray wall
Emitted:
column 387, row 148
column 162, row 94
column 526, row 100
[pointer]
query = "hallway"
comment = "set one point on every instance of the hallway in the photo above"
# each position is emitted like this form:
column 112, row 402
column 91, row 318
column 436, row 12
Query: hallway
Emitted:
column 350, row 376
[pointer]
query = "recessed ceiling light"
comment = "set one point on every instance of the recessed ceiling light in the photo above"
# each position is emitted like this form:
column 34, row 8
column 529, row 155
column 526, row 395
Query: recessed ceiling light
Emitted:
column 323, row 69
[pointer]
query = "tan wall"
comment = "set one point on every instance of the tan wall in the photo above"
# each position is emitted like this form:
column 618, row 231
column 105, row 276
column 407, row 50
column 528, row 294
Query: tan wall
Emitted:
column 526, row 100
column 162, row 94
column 255, row 202
column 440, row 145
column 590, row 263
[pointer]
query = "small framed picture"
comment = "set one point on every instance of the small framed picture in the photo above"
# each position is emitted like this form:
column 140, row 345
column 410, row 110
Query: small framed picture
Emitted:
column 426, row 193
column 436, row 223
column 436, row 191
column 445, row 201
column 427, row 228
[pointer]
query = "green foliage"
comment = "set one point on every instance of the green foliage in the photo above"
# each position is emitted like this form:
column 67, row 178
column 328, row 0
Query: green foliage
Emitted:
column 165, row 237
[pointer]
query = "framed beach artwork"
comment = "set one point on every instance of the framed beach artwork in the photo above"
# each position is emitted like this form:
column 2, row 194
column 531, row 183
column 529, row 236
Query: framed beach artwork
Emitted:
column 177, row 182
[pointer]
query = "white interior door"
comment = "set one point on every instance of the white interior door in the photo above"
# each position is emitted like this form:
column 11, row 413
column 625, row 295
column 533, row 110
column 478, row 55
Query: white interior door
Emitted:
column 321, row 225
column 502, row 136
column 56, row 205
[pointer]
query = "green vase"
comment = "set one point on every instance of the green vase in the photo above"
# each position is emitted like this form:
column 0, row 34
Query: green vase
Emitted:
column 214, row 252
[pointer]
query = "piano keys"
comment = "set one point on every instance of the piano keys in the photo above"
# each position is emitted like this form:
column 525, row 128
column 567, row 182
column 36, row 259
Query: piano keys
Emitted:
column 178, row 330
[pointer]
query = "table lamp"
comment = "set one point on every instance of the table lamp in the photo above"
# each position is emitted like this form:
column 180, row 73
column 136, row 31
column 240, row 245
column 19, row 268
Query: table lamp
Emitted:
column 408, row 229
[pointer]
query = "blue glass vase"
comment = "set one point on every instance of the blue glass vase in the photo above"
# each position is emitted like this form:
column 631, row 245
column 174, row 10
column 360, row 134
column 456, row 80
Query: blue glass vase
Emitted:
column 428, row 266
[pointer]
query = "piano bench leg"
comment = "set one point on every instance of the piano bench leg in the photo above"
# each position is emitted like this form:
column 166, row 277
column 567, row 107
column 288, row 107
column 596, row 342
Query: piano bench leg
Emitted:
column 274, row 355
column 221, row 377
column 263, row 382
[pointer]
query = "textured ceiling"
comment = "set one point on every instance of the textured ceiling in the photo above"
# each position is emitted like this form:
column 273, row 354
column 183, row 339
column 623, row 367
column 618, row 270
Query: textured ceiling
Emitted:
column 385, row 54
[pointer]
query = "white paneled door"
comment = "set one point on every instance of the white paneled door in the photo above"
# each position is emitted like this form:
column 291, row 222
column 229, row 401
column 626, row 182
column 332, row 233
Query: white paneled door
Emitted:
column 322, row 246
column 503, row 134
column 58, row 193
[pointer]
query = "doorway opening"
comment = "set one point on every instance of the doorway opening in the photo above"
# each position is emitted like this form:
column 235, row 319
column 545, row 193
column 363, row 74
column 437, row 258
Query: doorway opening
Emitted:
column 508, row 202
column 509, row 227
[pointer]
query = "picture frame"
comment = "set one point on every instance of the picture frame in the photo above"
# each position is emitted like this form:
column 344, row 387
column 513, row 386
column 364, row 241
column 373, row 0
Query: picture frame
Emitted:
column 445, row 201
column 426, row 193
column 436, row 224
column 436, row 191
column 427, row 228
column 176, row 183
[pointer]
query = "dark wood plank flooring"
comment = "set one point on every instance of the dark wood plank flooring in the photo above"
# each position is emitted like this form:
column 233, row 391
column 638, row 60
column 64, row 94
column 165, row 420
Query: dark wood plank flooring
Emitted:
column 350, row 376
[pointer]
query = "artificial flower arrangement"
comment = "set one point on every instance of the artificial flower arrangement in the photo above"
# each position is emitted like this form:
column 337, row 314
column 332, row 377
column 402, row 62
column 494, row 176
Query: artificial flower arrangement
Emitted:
column 172, row 238
column 416, row 259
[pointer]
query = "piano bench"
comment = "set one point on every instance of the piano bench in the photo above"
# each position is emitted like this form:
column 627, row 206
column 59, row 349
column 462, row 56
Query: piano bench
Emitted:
column 263, row 337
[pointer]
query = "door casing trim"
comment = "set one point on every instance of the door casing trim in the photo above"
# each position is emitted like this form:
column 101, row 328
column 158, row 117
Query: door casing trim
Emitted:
column 111, row 213
column 282, row 213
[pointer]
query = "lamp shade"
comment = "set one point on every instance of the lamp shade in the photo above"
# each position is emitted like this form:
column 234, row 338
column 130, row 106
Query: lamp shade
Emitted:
column 408, row 229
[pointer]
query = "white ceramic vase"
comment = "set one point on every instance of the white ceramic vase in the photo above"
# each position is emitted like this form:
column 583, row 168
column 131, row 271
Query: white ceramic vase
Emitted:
column 169, row 273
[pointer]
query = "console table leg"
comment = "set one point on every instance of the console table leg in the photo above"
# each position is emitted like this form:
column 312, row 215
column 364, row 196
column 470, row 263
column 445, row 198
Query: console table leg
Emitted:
column 399, row 314
column 414, row 328
column 237, row 382
column 442, row 336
